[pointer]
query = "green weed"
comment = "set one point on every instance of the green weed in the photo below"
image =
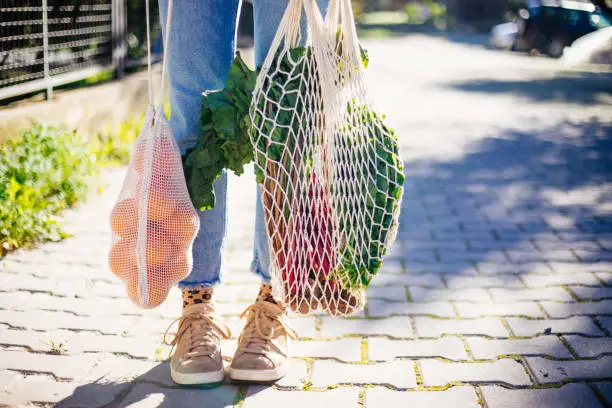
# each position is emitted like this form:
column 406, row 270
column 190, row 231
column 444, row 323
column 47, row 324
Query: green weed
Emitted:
column 43, row 171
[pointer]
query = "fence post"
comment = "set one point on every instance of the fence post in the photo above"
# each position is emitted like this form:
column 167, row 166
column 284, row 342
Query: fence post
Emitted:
column 46, row 50
column 118, row 36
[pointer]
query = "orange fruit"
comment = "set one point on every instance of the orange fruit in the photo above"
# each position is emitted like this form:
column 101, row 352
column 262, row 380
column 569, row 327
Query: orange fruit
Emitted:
column 124, row 218
column 157, row 293
column 122, row 258
column 160, row 206
column 157, row 251
column 177, row 266
column 182, row 227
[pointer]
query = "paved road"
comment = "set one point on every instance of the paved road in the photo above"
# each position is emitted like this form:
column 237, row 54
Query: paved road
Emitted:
column 497, row 294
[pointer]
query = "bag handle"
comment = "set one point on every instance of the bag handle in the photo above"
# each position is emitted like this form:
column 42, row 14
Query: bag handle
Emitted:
column 166, row 44
column 288, row 31
column 341, row 11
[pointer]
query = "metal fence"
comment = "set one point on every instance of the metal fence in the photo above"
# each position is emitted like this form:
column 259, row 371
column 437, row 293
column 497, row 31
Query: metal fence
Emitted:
column 46, row 43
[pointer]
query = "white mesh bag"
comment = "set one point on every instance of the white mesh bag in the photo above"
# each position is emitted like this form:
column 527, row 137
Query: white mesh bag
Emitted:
column 153, row 221
column 329, row 169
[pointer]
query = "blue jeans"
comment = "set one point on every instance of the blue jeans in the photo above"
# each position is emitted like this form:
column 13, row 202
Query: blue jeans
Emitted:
column 201, row 49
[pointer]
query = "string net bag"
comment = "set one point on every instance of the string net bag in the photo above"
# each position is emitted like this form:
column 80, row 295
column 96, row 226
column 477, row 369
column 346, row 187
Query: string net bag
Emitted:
column 153, row 221
column 319, row 203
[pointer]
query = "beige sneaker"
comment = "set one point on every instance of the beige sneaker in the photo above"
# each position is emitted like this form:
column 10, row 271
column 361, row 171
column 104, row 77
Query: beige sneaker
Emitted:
column 262, row 353
column 197, row 346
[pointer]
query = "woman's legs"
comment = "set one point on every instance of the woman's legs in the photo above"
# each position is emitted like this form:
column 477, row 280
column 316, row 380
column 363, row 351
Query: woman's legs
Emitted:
column 201, row 49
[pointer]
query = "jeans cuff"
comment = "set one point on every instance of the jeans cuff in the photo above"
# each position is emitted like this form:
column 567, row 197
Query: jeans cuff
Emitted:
column 256, row 269
column 195, row 283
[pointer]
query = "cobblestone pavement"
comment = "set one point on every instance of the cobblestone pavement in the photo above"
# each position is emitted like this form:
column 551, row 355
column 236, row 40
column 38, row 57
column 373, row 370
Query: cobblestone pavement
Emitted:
column 497, row 294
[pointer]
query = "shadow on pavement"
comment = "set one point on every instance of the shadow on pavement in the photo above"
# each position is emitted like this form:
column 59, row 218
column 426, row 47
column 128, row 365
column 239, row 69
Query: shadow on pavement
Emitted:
column 153, row 388
column 509, row 203
column 578, row 88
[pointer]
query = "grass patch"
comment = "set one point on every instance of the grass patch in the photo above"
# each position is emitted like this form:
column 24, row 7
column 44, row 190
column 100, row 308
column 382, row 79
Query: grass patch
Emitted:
column 42, row 172
column 48, row 169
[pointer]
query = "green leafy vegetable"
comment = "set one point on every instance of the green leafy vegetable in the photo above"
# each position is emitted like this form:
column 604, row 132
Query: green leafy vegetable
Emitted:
column 224, row 142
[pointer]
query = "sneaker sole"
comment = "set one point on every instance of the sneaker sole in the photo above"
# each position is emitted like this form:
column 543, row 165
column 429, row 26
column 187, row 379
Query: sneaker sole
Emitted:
column 260, row 375
column 197, row 378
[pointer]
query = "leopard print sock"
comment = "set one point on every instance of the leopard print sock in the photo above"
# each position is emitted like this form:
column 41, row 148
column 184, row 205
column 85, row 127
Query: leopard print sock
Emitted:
column 198, row 294
column 265, row 294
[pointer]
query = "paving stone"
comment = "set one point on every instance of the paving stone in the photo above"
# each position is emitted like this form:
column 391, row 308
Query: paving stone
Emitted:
column 497, row 269
column 344, row 349
column 447, row 268
column 8, row 378
column 297, row 375
column 149, row 325
column 62, row 366
column 422, row 255
column 148, row 395
column 605, row 388
column 305, row 326
column 468, row 257
column 392, row 266
column 587, row 293
column 470, row 310
column 398, row 373
column 34, row 341
column 550, row 371
column 605, row 277
column 28, row 389
column 381, row 349
column 588, row 256
column 396, row 326
column 457, row 397
column 426, row 279
column 579, row 245
column 394, row 293
column 137, row 347
column 567, row 309
column 567, row 396
column 488, row 326
column 500, row 281
column 576, row 324
column 472, row 257
column 545, row 255
column 514, row 295
column 557, row 280
column 261, row 396
column 121, row 369
column 43, row 320
column 581, row 267
column 419, row 294
column 483, row 348
column 439, row 373
column 587, row 347
column 411, row 245
column 606, row 321
column 379, row 308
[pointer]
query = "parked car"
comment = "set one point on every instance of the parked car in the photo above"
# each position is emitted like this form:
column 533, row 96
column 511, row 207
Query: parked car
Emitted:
column 551, row 25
